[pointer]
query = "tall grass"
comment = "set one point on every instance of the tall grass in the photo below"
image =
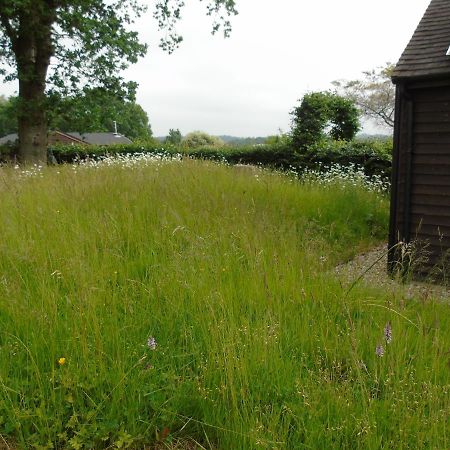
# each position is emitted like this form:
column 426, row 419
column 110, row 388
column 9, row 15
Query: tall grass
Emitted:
column 179, row 301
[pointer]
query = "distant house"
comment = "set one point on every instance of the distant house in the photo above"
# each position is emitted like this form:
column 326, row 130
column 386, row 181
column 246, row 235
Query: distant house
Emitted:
column 101, row 138
column 420, row 199
column 55, row 137
column 9, row 139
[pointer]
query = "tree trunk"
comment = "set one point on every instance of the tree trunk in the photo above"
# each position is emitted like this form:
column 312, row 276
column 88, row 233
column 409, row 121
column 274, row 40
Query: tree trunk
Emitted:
column 33, row 138
column 33, row 49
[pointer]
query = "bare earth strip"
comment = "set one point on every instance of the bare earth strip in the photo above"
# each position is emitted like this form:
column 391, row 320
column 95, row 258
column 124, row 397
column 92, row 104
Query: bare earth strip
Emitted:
column 377, row 276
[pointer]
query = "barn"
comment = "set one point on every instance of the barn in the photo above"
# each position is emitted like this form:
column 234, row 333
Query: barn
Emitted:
column 420, row 198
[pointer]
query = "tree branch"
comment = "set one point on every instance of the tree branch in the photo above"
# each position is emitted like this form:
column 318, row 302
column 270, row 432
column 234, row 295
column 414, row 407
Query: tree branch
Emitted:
column 10, row 32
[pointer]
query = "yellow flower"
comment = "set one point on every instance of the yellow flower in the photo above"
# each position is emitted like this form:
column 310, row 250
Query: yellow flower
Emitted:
column 61, row 361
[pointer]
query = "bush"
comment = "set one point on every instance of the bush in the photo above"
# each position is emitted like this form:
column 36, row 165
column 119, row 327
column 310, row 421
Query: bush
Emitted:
column 200, row 139
column 69, row 153
column 374, row 156
column 8, row 153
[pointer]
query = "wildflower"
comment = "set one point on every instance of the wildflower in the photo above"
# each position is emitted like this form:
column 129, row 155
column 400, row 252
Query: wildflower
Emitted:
column 388, row 333
column 61, row 361
column 151, row 343
column 379, row 351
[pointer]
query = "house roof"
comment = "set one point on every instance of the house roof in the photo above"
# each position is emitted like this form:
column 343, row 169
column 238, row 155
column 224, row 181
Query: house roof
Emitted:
column 9, row 139
column 67, row 136
column 87, row 138
column 425, row 55
column 101, row 138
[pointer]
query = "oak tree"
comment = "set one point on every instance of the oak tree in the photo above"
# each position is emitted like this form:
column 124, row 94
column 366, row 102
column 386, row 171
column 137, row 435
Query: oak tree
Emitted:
column 63, row 45
column 98, row 110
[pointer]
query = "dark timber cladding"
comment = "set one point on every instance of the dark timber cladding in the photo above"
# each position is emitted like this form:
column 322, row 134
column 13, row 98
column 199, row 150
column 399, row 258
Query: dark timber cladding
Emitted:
column 420, row 202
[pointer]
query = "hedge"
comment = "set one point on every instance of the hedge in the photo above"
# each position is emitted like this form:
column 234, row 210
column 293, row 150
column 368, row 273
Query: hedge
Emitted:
column 373, row 156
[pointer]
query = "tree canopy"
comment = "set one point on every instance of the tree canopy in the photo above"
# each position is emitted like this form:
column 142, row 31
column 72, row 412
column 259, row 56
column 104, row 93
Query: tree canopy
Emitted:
column 88, row 42
column 174, row 137
column 97, row 110
column 321, row 110
column 201, row 139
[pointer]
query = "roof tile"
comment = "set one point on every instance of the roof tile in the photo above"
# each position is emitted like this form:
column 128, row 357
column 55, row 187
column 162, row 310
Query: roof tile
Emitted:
column 425, row 55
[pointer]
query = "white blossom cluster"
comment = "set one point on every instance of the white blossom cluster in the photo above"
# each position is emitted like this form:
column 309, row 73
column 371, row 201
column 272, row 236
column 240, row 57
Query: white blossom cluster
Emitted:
column 335, row 175
column 351, row 175
column 32, row 171
column 127, row 161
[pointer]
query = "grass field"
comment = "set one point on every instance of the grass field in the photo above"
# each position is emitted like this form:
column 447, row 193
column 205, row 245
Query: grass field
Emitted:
column 167, row 303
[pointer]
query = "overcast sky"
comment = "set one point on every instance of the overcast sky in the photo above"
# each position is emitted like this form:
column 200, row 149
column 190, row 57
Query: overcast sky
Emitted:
column 247, row 84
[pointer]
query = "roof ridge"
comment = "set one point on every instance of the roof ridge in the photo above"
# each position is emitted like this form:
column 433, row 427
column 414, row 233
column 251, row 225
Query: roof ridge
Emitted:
column 432, row 34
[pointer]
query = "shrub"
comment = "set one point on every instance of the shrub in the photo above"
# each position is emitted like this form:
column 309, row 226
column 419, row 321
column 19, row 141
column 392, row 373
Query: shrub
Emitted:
column 8, row 152
column 375, row 157
column 200, row 139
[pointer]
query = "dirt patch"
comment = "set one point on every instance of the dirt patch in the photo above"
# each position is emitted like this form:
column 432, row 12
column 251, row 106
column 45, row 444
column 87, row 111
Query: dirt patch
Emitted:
column 372, row 267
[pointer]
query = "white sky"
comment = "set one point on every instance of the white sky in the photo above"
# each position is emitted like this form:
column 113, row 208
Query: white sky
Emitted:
column 247, row 84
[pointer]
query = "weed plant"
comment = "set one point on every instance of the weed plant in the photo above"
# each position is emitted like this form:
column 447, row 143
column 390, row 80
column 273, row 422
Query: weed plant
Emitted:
column 146, row 301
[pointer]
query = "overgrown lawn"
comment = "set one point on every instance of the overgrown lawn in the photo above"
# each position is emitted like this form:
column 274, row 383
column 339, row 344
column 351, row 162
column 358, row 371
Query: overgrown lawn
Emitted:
column 177, row 301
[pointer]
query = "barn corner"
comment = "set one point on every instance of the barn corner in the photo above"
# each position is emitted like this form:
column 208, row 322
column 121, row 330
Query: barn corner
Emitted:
column 420, row 197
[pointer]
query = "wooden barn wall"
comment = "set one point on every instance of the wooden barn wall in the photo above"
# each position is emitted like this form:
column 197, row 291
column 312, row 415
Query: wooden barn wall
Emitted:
column 421, row 197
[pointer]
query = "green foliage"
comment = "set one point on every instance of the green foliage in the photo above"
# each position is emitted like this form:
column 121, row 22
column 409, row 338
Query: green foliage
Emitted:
column 373, row 156
column 85, row 40
column 67, row 153
column 168, row 13
column 316, row 111
column 198, row 139
column 8, row 115
column 282, row 139
column 97, row 110
column 93, row 111
column 174, row 137
column 94, row 43
column 259, row 345
column 93, row 39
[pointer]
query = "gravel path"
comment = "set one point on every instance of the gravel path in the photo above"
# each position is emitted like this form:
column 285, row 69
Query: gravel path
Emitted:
column 377, row 276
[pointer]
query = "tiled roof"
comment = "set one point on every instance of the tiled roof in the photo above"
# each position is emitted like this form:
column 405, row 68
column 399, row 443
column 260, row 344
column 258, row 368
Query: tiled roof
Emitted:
column 88, row 138
column 9, row 139
column 425, row 55
column 101, row 138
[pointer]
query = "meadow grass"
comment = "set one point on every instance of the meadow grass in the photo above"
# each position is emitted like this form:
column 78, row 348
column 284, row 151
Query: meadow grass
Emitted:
column 165, row 302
